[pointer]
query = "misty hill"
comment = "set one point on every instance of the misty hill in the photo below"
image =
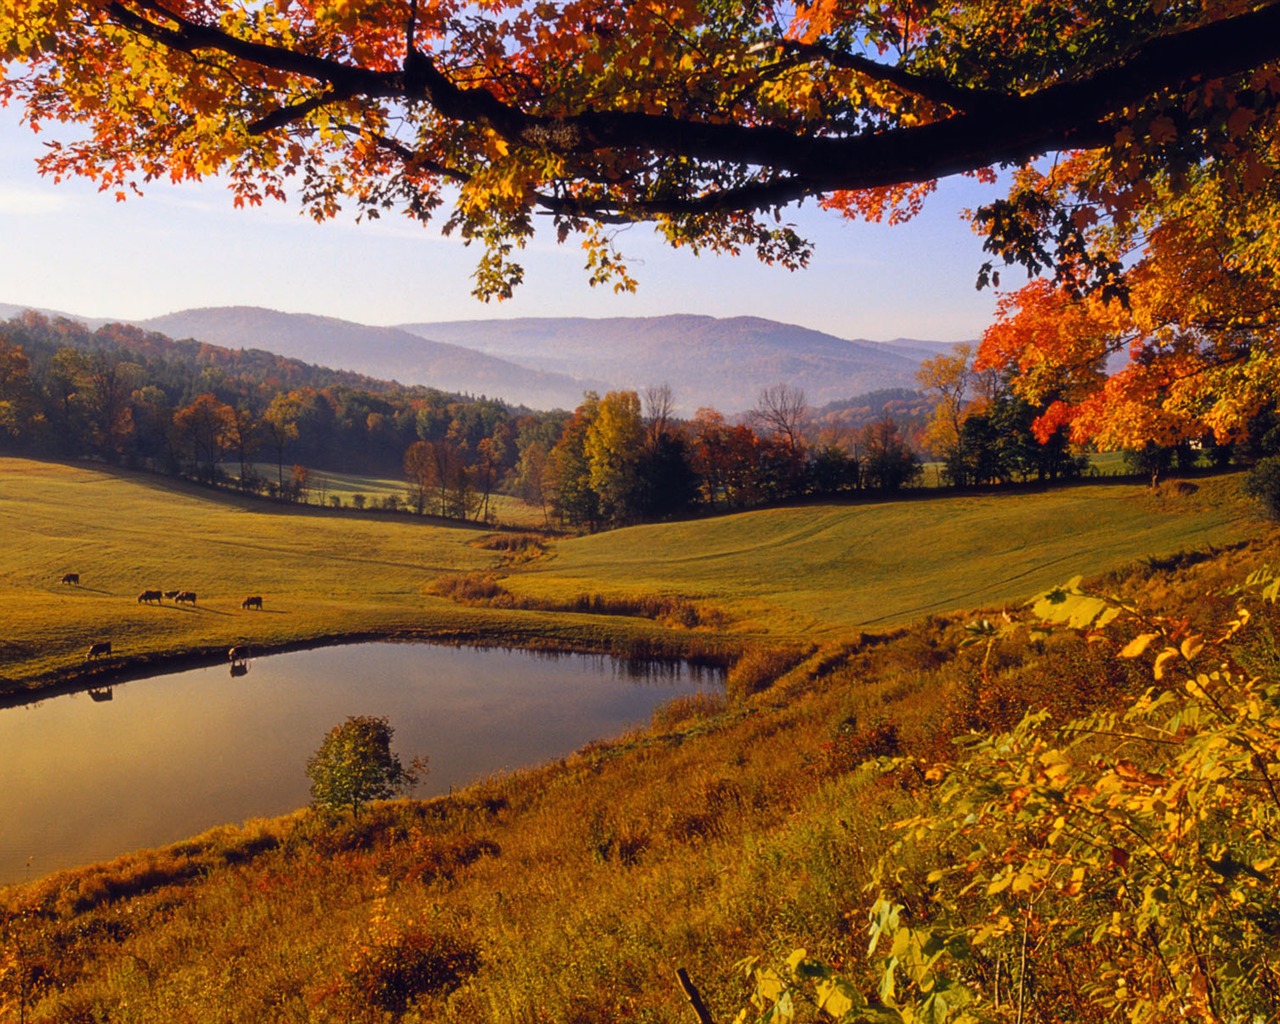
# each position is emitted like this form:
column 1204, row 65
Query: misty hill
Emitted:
column 383, row 352
column 724, row 363
column 549, row 362
column 8, row 311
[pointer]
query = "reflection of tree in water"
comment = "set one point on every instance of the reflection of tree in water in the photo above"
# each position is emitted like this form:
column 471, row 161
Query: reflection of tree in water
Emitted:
column 639, row 669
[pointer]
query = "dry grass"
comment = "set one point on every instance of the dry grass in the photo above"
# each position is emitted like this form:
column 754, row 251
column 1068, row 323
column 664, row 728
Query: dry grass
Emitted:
column 567, row 893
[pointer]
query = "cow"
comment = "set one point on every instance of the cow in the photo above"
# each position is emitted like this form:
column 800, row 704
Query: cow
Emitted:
column 252, row 602
column 171, row 594
column 148, row 596
column 72, row 578
column 238, row 653
column 185, row 597
column 99, row 650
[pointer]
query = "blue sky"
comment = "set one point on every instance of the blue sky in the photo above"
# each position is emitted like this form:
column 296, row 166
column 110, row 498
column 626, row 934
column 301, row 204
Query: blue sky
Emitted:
column 70, row 248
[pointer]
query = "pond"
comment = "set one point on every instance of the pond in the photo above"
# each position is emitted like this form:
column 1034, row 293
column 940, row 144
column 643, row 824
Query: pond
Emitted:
column 84, row 778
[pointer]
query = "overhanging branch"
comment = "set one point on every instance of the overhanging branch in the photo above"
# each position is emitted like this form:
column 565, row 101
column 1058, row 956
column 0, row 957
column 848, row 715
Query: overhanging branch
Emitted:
column 987, row 129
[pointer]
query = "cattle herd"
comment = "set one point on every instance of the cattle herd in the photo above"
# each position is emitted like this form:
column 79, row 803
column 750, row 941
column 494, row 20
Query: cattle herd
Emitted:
column 102, row 649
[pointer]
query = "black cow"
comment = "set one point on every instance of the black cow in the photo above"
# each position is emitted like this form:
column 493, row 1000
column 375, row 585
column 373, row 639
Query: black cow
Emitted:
column 71, row 577
column 147, row 596
column 185, row 597
column 99, row 650
column 252, row 602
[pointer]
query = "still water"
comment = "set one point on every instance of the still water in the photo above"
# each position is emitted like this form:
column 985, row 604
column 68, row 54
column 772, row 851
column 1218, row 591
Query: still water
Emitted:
column 168, row 757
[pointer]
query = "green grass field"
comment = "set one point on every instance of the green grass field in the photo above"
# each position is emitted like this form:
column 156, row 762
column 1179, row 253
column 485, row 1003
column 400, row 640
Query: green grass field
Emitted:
column 830, row 569
column 814, row 572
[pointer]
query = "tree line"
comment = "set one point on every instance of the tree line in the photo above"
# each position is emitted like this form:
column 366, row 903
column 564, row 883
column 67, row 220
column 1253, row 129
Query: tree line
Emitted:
column 261, row 423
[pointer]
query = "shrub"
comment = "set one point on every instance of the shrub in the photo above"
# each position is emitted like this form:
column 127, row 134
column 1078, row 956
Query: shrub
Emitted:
column 851, row 747
column 1263, row 483
column 758, row 668
column 397, row 966
column 691, row 708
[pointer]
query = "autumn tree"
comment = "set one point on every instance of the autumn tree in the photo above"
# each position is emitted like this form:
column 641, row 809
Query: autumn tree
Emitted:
column 727, row 460
column 948, row 379
column 612, row 449
column 420, row 470
column 244, row 438
column 783, row 411
column 575, row 501
column 490, row 453
column 17, row 391
column 280, row 427
column 105, row 386
column 299, row 486
column 888, row 463
column 206, row 426
column 712, row 120
column 707, row 119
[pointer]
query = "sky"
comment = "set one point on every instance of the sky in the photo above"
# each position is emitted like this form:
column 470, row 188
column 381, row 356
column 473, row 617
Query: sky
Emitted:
column 70, row 248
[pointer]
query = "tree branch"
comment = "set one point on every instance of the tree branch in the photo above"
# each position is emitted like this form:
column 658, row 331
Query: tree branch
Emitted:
column 987, row 130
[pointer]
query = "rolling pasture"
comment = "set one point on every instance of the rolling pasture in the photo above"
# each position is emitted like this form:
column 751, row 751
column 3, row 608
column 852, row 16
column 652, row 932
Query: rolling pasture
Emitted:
column 813, row 572
column 823, row 570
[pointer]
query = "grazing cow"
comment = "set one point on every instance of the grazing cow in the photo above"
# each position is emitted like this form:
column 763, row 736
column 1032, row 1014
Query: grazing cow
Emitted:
column 238, row 653
column 171, row 594
column 148, row 596
column 185, row 597
column 99, row 650
column 72, row 578
column 252, row 602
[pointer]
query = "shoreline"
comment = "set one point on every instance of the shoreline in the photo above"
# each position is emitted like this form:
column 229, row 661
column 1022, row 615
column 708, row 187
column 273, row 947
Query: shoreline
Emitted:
column 92, row 675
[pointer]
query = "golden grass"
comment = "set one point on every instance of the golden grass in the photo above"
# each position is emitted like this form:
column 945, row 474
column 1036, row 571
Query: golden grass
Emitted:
column 787, row 576
column 828, row 570
column 567, row 894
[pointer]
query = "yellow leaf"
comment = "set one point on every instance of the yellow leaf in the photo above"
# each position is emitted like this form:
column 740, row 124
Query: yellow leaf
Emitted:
column 1137, row 645
column 1161, row 659
column 1192, row 646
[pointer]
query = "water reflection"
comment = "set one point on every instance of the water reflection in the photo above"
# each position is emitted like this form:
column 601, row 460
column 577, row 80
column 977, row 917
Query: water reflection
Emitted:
column 154, row 760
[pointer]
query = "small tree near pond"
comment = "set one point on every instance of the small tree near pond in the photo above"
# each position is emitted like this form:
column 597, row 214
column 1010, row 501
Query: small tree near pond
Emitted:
column 355, row 764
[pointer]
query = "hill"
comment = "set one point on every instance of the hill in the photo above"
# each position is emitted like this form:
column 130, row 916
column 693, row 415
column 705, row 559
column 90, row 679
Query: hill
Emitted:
column 549, row 362
column 722, row 363
column 384, row 352
column 787, row 575
column 728, row 829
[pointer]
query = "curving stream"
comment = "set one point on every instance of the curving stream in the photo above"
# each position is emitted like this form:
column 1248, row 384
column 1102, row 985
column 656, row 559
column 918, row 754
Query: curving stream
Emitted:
column 167, row 757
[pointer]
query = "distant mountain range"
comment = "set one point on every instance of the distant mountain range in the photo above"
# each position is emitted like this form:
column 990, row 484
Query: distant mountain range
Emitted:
column 549, row 362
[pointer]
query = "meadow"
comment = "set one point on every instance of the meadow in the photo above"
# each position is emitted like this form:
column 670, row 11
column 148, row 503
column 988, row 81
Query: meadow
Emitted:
column 728, row 832
column 785, row 576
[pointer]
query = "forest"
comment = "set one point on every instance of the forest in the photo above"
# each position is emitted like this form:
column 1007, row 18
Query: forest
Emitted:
column 264, row 424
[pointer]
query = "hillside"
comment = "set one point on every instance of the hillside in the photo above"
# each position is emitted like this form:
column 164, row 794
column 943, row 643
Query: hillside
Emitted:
column 548, row 362
column 383, row 352
column 569, row 894
column 788, row 575
column 722, row 363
